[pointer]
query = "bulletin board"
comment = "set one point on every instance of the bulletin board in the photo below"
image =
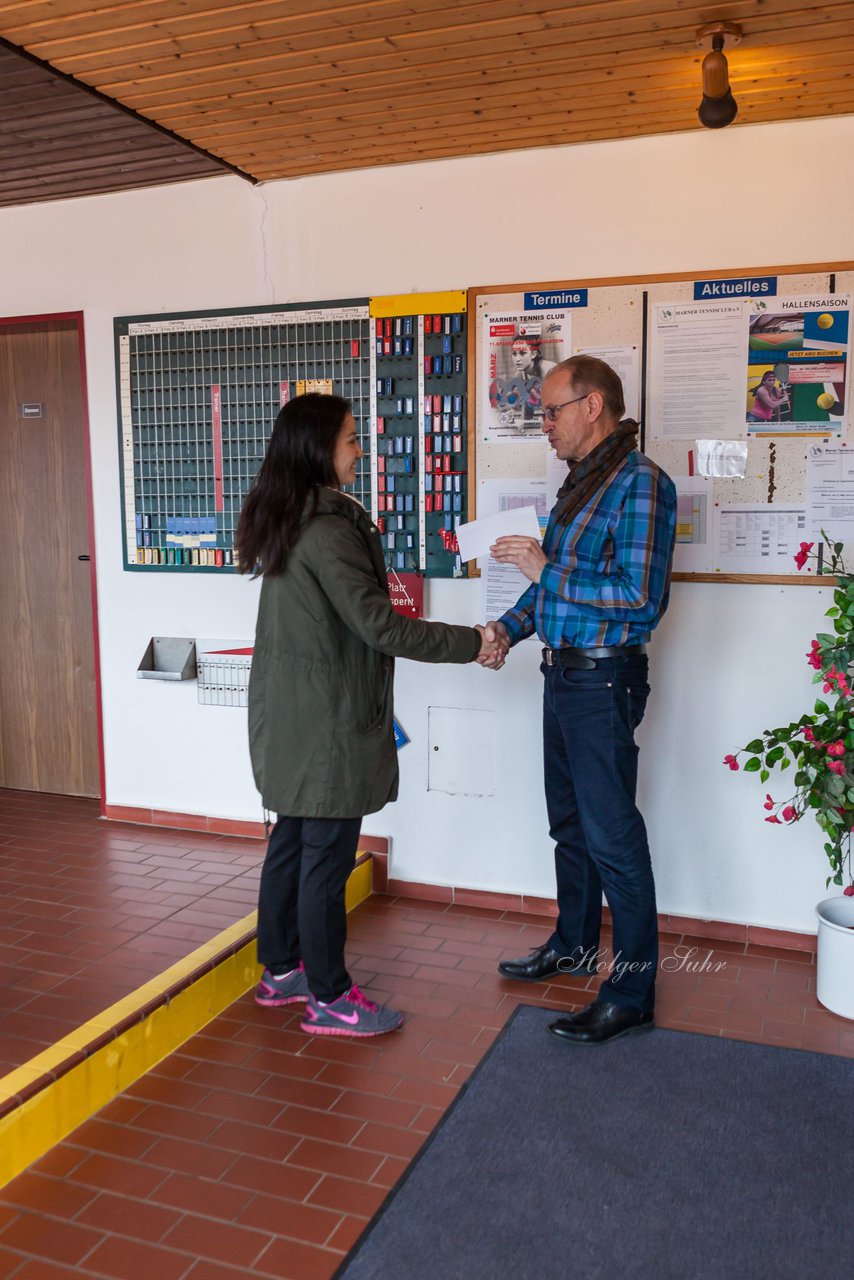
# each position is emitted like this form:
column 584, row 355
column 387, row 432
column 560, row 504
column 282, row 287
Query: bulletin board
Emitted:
column 198, row 393
column 692, row 350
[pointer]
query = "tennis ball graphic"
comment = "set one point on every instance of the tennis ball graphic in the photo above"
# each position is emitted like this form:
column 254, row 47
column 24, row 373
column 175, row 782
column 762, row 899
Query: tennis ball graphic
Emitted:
column 826, row 400
column 824, row 321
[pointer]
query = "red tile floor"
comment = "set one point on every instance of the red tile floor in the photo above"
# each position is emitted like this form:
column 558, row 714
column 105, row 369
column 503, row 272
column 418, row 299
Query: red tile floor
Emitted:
column 256, row 1151
column 90, row 910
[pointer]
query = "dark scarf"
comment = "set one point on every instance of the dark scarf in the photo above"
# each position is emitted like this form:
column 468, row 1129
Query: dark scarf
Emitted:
column 587, row 476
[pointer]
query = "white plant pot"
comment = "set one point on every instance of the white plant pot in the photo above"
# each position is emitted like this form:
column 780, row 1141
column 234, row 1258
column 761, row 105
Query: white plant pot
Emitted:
column 835, row 959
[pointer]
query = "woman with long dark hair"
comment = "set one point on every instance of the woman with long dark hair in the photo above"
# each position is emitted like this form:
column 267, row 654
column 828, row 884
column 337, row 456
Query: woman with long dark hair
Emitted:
column 320, row 702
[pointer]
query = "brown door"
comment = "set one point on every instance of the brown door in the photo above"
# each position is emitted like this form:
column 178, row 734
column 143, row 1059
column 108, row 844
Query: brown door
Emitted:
column 48, row 715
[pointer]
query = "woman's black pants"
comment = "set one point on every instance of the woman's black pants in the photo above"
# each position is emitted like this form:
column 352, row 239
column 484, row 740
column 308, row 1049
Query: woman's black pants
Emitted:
column 301, row 910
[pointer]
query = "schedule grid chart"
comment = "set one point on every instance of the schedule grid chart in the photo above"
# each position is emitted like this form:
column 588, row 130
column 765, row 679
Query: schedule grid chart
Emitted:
column 198, row 397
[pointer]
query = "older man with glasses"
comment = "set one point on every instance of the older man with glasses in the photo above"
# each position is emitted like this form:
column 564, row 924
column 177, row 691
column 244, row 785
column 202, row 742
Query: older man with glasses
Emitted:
column 600, row 583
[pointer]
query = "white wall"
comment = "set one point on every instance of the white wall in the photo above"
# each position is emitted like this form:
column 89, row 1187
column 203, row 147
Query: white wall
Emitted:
column 727, row 661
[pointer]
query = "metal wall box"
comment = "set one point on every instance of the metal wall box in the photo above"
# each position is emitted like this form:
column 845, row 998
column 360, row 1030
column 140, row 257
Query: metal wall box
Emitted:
column 168, row 658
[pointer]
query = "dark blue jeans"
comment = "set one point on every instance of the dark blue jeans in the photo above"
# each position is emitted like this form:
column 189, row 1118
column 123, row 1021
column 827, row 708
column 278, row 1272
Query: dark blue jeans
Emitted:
column 590, row 760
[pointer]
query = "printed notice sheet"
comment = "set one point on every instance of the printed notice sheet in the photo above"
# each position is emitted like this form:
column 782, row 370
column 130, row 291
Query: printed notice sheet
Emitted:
column 694, row 551
column 797, row 365
column 625, row 361
column 830, row 492
column 503, row 584
column 518, row 349
column 755, row 537
column 697, row 370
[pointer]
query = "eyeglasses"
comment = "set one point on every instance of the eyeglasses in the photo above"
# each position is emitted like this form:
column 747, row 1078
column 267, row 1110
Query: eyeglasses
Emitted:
column 550, row 411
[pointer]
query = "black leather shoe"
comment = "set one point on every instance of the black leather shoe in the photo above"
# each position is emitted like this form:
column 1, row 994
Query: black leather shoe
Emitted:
column 601, row 1022
column 544, row 962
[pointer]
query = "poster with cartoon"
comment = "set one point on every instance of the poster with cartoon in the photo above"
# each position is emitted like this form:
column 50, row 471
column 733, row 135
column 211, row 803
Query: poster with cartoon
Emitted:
column 520, row 348
column 797, row 366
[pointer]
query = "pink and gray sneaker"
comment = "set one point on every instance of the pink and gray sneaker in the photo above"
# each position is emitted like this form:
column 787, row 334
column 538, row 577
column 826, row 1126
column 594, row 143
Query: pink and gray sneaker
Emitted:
column 352, row 1014
column 273, row 992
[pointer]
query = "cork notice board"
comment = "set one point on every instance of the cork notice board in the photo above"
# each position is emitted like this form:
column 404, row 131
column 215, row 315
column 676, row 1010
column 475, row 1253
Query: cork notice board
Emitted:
column 755, row 359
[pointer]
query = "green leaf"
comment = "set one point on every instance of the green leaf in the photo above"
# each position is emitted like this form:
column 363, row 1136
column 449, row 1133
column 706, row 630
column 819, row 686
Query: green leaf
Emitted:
column 821, row 708
column 773, row 756
column 837, row 879
column 825, row 640
column 752, row 765
column 785, row 763
column 832, row 612
column 764, row 775
column 801, row 778
column 755, row 746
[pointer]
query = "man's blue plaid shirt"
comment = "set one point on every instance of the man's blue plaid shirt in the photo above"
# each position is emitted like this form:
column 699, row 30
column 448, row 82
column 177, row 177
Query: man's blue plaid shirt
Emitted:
column 607, row 580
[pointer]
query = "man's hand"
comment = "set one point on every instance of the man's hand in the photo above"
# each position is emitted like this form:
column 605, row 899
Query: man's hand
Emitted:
column 525, row 553
column 494, row 647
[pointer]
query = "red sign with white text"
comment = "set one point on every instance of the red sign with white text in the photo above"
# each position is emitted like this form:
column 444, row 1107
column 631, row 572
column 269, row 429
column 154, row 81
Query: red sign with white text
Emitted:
column 406, row 592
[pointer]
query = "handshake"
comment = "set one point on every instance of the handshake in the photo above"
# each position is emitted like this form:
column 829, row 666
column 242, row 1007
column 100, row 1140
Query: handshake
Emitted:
column 494, row 645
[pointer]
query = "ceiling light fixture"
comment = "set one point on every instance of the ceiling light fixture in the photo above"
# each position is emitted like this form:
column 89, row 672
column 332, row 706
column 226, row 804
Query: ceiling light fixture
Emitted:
column 718, row 108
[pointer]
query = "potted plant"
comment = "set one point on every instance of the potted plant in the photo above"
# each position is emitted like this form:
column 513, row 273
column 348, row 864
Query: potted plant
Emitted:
column 818, row 749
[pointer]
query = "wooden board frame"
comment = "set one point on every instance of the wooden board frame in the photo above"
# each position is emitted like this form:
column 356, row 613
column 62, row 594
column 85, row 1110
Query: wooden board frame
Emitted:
column 475, row 293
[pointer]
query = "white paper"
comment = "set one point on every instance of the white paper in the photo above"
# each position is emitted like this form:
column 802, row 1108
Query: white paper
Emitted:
column 556, row 473
column 830, row 492
column 503, row 584
column 697, row 370
column 518, row 349
column 721, row 458
column 625, row 361
column 477, row 536
column 755, row 537
column 694, row 525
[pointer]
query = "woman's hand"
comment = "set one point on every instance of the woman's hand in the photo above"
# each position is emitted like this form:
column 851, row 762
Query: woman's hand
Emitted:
column 494, row 645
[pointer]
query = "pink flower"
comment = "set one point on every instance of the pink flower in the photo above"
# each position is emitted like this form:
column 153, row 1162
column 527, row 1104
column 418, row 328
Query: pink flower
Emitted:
column 769, row 803
column 849, row 891
column 836, row 749
column 836, row 766
column 774, row 818
column 808, row 734
column 839, row 677
column 814, row 656
column 803, row 555
column 789, row 814
column 732, row 762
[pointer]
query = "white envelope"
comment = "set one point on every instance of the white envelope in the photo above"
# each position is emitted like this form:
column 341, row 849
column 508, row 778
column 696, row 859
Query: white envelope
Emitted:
column 476, row 537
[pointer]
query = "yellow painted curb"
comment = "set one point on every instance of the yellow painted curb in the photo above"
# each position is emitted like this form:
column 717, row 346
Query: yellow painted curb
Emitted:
column 43, row 1120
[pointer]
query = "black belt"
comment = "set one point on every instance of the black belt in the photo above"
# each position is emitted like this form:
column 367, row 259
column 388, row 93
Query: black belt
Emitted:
column 587, row 659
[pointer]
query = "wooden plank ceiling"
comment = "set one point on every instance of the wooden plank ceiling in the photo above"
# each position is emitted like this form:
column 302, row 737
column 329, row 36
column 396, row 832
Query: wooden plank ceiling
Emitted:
column 59, row 140
column 281, row 88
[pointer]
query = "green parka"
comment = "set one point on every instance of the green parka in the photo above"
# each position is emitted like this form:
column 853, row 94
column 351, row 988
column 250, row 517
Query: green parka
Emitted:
column 320, row 692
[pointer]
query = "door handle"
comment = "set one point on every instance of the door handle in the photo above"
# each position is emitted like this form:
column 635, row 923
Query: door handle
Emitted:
column 84, row 557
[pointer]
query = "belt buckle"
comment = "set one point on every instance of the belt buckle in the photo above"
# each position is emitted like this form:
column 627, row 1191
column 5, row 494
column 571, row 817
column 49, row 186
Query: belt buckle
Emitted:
column 549, row 657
